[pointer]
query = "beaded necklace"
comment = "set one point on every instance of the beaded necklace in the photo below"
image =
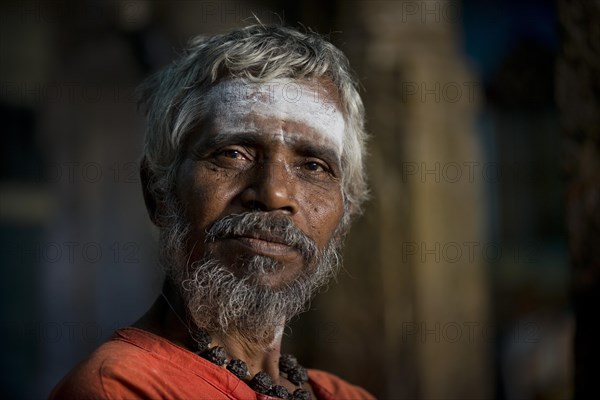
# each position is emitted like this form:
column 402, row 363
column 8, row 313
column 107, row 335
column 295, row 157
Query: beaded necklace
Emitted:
column 261, row 382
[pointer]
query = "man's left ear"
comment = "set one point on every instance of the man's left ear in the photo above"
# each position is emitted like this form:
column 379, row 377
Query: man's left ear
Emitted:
column 153, row 204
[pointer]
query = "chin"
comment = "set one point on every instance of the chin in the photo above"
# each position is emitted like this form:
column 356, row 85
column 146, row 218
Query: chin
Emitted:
column 267, row 272
column 223, row 297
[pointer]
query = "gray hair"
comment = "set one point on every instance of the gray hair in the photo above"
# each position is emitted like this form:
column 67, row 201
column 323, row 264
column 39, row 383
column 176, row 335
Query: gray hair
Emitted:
column 173, row 98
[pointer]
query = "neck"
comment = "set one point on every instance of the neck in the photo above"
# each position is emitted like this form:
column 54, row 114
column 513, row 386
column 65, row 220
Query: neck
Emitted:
column 168, row 318
column 257, row 357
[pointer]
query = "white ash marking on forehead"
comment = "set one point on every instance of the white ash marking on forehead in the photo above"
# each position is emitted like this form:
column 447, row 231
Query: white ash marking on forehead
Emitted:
column 235, row 101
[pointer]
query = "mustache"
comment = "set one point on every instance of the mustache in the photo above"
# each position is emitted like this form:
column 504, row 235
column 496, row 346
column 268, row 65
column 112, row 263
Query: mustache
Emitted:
column 266, row 226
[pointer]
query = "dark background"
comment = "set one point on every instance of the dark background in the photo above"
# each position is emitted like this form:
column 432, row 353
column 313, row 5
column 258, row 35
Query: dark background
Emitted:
column 456, row 281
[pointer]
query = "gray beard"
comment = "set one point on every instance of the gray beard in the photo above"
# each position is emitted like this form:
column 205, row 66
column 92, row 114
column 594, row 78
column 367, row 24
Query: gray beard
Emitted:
column 220, row 302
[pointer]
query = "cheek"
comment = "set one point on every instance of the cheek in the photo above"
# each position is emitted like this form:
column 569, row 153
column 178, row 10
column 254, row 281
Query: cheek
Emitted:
column 325, row 211
column 203, row 192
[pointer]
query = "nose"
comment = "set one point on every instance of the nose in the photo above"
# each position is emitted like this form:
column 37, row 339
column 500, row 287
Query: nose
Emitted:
column 272, row 187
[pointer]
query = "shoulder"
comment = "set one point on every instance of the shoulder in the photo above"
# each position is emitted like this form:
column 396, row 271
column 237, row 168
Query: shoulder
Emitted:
column 105, row 373
column 332, row 387
column 138, row 364
column 132, row 364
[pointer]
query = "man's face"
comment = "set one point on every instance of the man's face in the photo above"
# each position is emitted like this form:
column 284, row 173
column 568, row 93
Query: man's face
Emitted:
column 273, row 148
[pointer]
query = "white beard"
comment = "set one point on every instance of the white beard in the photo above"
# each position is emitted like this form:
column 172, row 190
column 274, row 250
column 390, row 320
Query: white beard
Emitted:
column 220, row 302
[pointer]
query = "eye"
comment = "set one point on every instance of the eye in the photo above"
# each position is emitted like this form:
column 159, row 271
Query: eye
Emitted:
column 315, row 166
column 232, row 154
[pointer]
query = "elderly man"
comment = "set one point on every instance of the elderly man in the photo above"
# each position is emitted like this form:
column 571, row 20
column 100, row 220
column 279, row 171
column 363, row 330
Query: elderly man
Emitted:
column 252, row 171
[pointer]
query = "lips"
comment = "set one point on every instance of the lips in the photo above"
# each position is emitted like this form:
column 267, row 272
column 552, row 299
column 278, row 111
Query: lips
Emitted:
column 266, row 244
column 261, row 233
column 263, row 236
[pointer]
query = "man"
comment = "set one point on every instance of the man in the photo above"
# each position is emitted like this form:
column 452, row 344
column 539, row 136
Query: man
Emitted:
column 252, row 170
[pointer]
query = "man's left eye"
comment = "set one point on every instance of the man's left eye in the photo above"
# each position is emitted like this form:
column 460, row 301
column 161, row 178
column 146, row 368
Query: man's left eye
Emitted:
column 315, row 166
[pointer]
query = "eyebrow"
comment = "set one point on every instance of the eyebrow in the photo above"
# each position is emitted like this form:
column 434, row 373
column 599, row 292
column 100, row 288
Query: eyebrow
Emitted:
column 307, row 148
column 248, row 138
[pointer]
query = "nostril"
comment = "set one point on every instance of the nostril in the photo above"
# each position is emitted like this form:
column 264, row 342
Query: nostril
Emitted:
column 255, row 205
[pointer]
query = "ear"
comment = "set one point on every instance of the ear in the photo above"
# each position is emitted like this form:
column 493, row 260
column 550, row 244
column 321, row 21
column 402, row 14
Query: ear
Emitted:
column 152, row 203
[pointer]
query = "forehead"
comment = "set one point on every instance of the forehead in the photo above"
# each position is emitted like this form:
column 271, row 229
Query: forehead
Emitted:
column 292, row 108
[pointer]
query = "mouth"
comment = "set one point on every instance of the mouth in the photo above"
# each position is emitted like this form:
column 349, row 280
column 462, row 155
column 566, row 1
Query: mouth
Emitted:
column 266, row 245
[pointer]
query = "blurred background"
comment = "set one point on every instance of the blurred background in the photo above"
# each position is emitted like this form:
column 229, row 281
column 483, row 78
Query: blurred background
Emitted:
column 457, row 279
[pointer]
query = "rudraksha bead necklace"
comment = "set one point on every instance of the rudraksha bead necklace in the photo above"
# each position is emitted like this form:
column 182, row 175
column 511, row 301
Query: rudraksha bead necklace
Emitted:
column 261, row 382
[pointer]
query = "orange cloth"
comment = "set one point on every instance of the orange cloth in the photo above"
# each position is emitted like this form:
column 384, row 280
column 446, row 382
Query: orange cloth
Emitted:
column 135, row 364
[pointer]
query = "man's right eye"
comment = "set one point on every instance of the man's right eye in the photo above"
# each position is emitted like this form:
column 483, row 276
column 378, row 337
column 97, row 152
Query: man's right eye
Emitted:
column 229, row 153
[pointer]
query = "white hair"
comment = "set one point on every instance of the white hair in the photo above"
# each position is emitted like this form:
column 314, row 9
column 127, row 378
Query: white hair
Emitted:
column 173, row 97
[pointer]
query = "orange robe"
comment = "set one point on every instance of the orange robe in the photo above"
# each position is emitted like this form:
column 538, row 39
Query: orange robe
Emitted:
column 136, row 364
